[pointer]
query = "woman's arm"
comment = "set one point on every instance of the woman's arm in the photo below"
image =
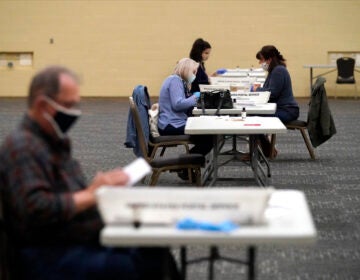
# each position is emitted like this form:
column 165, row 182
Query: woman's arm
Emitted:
column 177, row 97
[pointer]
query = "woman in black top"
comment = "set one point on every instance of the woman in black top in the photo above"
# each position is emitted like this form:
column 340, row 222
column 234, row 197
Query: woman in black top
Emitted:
column 200, row 52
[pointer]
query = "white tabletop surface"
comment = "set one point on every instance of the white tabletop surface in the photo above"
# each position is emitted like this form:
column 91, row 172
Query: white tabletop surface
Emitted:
column 324, row 66
column 241, row 72
column 234, row 74
column 256, row 109
column 233, row 125
column 289, row 221
column 320, row 66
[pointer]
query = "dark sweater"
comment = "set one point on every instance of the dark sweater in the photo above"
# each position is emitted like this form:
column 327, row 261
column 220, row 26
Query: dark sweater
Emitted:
column 201, row 79
column 278, row 82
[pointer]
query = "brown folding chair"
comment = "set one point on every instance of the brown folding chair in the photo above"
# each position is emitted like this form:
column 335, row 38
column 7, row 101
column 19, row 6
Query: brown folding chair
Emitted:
column 162, row 164
column 295, row 125
column 168, row 141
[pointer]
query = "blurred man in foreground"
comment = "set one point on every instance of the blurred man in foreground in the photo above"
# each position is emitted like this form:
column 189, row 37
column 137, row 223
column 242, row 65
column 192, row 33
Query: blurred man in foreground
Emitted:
column 49, row 209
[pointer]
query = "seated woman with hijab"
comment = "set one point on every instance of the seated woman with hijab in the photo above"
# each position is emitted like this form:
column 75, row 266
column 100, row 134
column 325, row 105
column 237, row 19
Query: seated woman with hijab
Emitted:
column 175, row 102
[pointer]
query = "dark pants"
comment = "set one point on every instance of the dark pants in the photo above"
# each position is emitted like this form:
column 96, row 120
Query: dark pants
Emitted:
column 202, row 143
column 287, row 115
column 80, row 262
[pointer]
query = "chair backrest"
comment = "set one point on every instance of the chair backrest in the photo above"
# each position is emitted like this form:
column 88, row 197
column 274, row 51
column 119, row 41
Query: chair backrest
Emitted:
column 345, row 67
column 139, row 130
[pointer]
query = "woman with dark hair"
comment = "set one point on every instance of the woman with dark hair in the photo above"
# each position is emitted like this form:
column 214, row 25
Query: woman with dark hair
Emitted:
column 200, row 52
column 278, row 82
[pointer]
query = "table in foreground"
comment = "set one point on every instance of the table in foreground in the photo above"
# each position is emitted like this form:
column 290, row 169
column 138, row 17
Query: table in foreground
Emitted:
column 288, row 222
column 252, row 126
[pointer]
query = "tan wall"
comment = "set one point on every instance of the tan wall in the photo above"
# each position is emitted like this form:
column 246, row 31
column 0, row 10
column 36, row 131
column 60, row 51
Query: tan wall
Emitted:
column 115, row 45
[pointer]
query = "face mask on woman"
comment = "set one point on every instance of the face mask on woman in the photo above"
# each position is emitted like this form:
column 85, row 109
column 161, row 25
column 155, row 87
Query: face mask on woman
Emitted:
column 191, row 78
column 265, row 66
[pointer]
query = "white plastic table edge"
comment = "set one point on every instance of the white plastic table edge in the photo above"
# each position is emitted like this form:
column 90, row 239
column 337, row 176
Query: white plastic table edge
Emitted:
column 272, row 233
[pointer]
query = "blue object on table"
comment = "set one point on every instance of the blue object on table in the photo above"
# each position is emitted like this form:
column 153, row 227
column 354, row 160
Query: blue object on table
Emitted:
column 221, row 71
column 197, row 94
column 191, row 224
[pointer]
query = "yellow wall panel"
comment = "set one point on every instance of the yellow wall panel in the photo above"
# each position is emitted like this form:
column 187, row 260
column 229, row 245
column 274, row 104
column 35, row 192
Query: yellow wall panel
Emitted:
column 115, row 45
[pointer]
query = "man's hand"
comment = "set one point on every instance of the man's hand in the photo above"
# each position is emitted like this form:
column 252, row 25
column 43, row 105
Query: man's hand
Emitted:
column 86, row 198
column 115, row 177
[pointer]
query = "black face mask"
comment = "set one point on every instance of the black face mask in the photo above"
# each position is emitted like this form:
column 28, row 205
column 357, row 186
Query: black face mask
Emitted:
column 63, row 119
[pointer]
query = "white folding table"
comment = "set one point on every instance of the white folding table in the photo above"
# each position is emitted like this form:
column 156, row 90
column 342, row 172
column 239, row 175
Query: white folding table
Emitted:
column 251, row 109
column 225, row 125
column 333, row 68
column 244, row 72
column 288, row 221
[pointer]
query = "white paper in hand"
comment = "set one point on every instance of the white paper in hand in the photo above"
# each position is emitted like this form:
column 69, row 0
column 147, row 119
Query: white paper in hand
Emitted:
column 137, row 170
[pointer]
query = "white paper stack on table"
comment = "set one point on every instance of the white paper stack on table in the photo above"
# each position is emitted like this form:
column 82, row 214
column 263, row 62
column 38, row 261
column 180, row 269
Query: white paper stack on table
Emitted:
column 250, row 98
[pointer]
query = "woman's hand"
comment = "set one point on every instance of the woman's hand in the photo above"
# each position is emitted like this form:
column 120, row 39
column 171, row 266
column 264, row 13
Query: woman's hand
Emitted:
column 255, row 87
column 197, row 94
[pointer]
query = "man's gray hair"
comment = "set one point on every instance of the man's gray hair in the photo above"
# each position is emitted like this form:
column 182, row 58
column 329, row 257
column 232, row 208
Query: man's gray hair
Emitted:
column 47, row 82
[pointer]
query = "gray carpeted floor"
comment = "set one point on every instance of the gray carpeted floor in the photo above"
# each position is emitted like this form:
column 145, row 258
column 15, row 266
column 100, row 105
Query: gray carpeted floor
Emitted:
column 331, row 184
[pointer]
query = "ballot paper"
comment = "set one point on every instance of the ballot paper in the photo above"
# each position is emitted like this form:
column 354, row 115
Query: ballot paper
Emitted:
column 137, row 170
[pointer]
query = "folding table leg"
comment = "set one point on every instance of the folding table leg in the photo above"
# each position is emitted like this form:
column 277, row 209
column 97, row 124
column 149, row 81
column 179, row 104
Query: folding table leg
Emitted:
column 261, row 172
column 253, row 152
column 166, row 265
column 254, row 158
column 215, row 161
column 214, row 255
column 251, row 263
column 183, row 262
column 311, row 79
